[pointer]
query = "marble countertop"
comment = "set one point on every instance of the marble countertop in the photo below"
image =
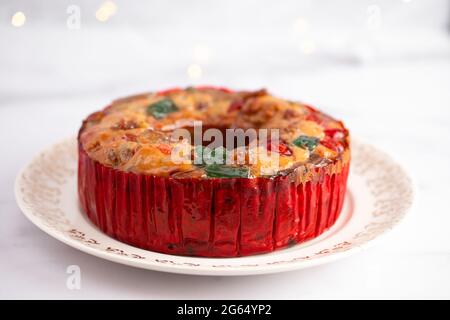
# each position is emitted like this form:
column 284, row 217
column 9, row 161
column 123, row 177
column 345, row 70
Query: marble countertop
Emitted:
column 400, row 105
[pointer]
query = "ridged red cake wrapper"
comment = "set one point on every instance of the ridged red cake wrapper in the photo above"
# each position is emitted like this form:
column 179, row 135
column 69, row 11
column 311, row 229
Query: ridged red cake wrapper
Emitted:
column 212, row 217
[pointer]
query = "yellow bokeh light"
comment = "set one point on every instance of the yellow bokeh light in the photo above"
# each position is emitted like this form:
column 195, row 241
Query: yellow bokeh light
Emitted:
column 301, row 26
column 194, row 71
column 106, row 11
column 202, row 53
column 308, row 47
column 18, row 19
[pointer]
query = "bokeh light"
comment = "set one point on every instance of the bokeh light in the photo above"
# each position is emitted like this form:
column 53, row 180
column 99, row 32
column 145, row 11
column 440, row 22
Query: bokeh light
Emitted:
column 301, row 26
column 202, row 53
column 194, row 71
column 307, row 46
column 18, row 19
column 106, row 11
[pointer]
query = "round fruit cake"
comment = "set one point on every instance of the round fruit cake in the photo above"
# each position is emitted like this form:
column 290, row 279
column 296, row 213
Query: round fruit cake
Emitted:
column 216, row 200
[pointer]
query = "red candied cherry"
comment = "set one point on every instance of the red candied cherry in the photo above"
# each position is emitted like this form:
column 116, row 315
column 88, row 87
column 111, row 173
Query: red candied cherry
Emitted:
column 130, row 137
column 236, row 105
column 164, row 148
column 168, row 91
column 332, row 144
column 282, row 149
column 335, row 133
column 214, row 88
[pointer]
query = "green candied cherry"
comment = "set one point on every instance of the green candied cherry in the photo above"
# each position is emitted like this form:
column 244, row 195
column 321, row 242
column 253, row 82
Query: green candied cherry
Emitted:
column 306, row 142
column 205, row 155
column 161, row 108
column 222, row 171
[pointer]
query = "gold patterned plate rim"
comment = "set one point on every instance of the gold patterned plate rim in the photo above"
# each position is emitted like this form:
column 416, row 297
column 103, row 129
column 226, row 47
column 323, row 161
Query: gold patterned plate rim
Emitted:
column 380, row 193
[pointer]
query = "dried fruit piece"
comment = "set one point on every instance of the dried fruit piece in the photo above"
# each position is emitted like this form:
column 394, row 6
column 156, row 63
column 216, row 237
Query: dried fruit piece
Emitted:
column 153, row 137
column 125, row 125
column 164, row 148
column 112, row 157
column 221, row 171
column 130, row 137
column 168, row 91
column 161, row 108
column 204, row 155
column 306, row 142
column 335, row 133
column 332, row 145
column 281, row 149
column 126, row 154
column 236, row 105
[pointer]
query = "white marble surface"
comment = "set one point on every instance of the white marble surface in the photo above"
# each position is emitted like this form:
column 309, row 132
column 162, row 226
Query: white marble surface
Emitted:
column 50, row 80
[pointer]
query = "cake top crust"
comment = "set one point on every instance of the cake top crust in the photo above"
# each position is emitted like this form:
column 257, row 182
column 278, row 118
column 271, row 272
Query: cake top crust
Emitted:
column 207, row 132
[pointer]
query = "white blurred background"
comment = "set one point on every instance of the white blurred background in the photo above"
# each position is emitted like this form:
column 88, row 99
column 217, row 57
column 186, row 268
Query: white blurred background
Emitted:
column 383, row 66
column 113, row 47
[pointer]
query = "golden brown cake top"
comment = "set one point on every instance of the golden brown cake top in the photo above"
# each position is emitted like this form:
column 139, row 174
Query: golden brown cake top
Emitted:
column 177, row 133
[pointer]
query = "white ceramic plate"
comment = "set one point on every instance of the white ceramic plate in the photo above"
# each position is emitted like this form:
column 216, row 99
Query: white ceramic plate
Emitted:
column 379, row 194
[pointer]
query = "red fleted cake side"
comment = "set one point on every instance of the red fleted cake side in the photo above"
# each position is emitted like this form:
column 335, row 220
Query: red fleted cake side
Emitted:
column 209, row 217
